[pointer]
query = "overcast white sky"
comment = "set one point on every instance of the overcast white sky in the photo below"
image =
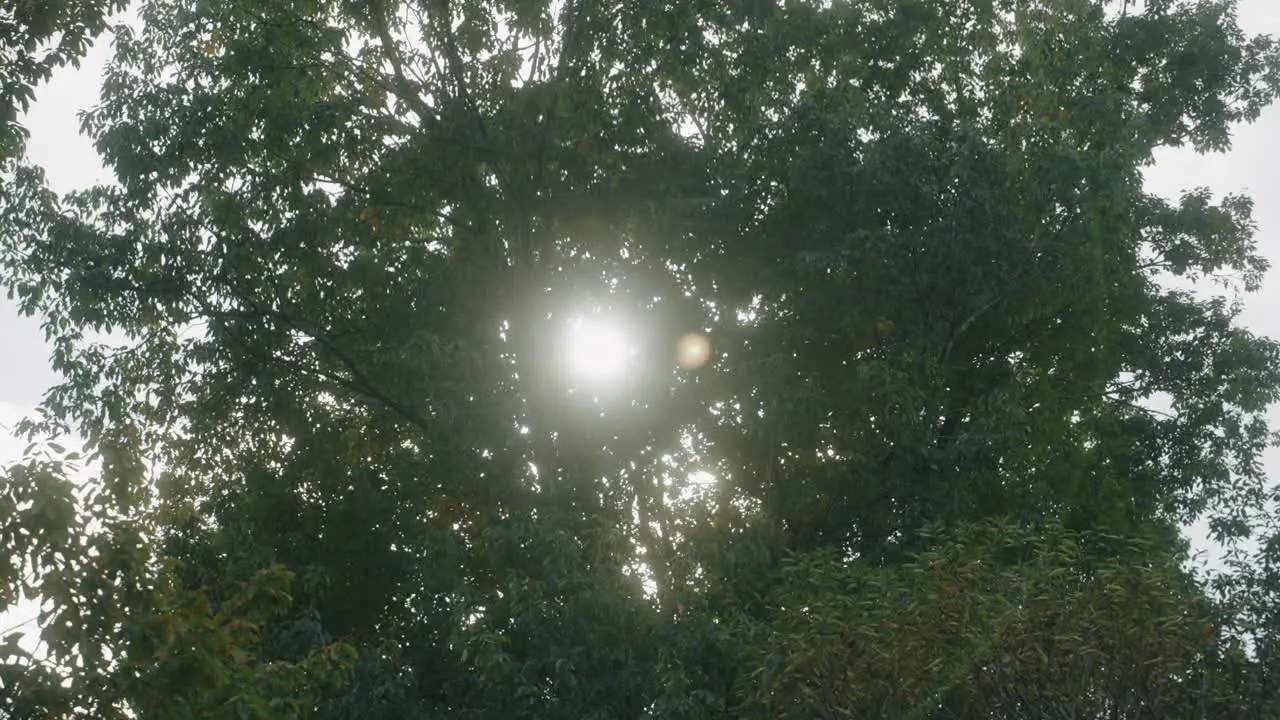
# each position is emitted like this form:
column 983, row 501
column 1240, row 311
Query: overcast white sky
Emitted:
column 1253, row 167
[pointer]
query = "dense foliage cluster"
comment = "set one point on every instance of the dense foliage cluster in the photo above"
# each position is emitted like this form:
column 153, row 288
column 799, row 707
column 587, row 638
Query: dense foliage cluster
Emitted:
column 311, row 336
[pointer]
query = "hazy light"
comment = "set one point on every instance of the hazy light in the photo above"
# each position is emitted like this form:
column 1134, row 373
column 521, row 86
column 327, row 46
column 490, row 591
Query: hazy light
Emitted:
column 693, row 351
column 597, row 351
column 702, row 477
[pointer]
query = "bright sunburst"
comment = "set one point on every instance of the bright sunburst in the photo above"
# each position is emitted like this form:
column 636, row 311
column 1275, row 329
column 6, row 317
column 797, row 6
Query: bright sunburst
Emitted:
column 598, row 351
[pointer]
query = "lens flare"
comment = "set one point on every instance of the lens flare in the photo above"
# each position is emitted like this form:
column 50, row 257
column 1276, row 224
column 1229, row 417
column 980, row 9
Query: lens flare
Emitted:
column 693, row 351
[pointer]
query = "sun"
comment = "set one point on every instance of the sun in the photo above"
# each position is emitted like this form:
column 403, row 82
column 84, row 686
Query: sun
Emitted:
column 598, row 351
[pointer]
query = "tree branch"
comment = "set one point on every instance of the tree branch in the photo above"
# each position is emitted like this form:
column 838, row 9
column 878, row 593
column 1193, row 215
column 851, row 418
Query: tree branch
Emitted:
column 359, row 382
column 404, row 87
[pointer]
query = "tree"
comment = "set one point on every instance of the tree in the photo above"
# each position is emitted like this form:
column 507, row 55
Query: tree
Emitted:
column 345, row 238
column 116, row 628
column 38, row 37
column 994, row 621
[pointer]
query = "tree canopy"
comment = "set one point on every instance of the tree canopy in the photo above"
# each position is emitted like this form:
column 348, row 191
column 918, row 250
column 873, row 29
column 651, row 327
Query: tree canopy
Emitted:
column 37, row 38
column 313, row 334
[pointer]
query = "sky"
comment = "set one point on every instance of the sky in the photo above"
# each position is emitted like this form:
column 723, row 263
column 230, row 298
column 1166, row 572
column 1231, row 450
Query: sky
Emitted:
column 1252, row 167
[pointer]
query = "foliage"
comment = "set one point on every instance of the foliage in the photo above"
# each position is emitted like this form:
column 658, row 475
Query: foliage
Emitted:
column 115, row 627
column 996, row 621
column 36, row 38
column 327, row 288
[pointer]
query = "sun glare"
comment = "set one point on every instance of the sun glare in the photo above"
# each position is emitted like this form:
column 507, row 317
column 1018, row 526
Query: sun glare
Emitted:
column 598, row 351
column 702, row 477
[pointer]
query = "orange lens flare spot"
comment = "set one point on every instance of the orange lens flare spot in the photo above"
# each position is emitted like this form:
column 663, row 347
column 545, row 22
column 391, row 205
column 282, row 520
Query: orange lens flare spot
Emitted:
column 693, row 351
